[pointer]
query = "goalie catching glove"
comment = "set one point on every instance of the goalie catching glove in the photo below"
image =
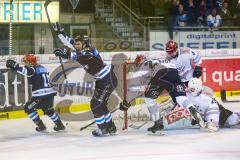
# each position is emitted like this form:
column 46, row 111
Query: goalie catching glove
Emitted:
column 13, row 65
column 61, row 52
column 124, row 105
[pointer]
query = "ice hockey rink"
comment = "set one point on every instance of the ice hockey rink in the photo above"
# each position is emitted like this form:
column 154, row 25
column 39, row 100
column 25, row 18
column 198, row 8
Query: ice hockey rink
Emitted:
column 19, row 141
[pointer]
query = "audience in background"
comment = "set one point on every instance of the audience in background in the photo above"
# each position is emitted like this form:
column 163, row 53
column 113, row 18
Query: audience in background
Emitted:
column 214, row 20
column 192, row 13
column 218, row 12
column 225, row 14
column 181, row 18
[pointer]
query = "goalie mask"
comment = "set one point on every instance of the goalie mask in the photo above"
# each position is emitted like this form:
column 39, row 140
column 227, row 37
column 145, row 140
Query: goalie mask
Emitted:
column 195, row 87
column 171, row 49
column 30, row 60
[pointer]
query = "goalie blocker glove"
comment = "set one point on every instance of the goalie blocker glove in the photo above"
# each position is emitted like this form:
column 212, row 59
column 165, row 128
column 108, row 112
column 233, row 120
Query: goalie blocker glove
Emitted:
column 61, row 52
column 13, row 65
column 124, row 105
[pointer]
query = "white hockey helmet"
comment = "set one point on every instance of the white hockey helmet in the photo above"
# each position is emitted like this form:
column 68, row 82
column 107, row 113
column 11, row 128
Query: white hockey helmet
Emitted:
column 195, row 86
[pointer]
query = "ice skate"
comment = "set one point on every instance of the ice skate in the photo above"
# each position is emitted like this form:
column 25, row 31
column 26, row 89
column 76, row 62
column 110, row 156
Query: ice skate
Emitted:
column 59, row 126
column 40, row 126
column 158, row 126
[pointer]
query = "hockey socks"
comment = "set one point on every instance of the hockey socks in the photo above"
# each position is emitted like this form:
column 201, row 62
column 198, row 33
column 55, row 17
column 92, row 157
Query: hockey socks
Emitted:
column 105, row 126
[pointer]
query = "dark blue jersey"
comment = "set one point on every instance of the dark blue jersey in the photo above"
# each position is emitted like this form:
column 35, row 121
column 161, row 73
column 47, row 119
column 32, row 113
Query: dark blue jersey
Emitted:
column 92, row 62
column 38, row 78
column 89, row 58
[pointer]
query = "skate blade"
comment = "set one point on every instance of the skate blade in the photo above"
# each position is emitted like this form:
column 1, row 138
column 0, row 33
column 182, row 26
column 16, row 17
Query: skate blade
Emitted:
column 158, row 133
column 43, row 132
column 61, row 131
column 106, row 135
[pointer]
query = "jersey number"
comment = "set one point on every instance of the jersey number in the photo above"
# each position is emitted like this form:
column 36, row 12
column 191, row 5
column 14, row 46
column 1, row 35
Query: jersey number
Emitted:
column 213, row 101
column 45, row 80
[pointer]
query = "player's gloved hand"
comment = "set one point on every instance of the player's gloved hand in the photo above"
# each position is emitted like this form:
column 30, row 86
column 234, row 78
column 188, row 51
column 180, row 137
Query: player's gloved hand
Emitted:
column 124, row 105
column 13, row 65
column 152, row 63
column 197, row 72
column 61, row 52
column 58, row 28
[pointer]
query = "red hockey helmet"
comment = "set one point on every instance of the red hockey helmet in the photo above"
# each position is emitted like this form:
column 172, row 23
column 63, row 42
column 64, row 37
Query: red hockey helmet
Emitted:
column 30, row 59
column 171, row 48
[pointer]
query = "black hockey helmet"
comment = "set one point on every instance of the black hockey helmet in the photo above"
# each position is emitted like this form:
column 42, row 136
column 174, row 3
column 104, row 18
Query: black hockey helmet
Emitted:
column 84, row 39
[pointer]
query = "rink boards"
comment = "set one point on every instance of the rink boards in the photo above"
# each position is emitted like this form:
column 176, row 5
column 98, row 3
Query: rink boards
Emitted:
column 75, row 93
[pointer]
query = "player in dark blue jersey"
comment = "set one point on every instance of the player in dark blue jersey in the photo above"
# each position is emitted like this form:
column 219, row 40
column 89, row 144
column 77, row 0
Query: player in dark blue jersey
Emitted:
column 105, row 83
column 42, row 93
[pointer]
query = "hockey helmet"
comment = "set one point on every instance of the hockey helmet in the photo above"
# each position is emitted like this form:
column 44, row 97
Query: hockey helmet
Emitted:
column 171, row 48
column 30, row 59
column 195, row 86
column 84, row 39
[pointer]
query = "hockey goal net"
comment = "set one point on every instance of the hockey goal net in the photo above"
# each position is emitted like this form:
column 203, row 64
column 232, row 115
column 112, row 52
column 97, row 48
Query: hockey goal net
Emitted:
column 135, row 82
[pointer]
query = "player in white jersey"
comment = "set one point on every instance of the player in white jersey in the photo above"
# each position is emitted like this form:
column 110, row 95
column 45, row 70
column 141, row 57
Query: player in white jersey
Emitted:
column 187, row 61
column 214, row 114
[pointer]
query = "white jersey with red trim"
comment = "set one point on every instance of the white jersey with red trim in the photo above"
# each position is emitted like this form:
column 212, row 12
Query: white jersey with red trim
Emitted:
column 185, row 62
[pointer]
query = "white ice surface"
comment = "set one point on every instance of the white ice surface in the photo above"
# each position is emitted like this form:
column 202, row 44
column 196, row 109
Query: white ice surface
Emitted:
column 19, row 141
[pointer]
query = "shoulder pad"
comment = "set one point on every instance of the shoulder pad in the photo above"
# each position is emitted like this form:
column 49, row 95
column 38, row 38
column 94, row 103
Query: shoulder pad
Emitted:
column 184, row 50
column 40, row 70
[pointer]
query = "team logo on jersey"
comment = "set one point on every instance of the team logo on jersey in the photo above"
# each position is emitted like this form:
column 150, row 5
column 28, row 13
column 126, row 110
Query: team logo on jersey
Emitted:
column 180, row 88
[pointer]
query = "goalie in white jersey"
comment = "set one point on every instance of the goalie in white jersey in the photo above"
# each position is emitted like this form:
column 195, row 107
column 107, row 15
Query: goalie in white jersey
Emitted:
column 214, row 114
column 187, row 61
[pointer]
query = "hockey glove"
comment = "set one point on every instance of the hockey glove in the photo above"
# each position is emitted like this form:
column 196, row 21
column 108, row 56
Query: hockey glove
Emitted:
column 152, row 63
column 13, row 65
column 197, row 72
column 58, row 28
column 124, row 105
column 61, row 52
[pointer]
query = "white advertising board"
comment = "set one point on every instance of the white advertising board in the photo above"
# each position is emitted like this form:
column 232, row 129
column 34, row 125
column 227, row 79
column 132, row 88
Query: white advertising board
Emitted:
column 197, row 39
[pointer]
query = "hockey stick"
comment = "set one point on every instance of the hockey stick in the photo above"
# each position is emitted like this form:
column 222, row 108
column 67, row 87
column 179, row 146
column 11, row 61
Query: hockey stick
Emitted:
column 4, row 70
column 138, row 126
column 47, row 2
column 84, row 127
column 224, row 99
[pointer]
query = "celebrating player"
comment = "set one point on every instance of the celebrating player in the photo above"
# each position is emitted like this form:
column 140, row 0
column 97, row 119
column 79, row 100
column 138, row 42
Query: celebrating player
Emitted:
column 42, row 93
column 212, row 112
column 106, row 80
column 164, row 76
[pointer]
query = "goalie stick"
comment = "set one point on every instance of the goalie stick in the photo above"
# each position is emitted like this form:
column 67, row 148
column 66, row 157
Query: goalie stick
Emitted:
column 47, row 2
column 224, row 99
